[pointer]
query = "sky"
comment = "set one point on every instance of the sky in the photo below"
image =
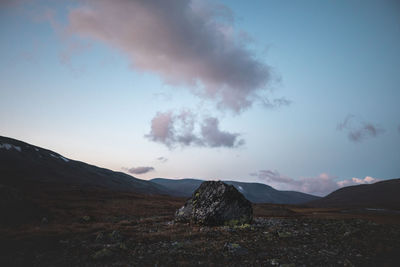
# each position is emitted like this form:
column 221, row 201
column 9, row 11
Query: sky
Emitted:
column 299, row 95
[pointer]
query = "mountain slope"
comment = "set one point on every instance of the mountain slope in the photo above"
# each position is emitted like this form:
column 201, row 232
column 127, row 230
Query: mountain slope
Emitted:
column 255, row 192
column 384, row 194
column 181, row 187
column 22, row 164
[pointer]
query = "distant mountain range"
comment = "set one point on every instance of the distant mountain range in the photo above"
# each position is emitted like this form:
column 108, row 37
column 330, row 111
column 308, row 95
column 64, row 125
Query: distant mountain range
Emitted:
column 23, row 165
column 255, row 192
column 380, row 195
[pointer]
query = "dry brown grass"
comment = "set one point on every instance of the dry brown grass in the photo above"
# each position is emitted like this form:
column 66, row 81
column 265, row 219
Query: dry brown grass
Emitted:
column 144, row 222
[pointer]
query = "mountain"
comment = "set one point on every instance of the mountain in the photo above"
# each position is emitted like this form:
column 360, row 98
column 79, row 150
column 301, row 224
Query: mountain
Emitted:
column 23, row 164
column 255, row 192
column 181, row 187
column 380, row 195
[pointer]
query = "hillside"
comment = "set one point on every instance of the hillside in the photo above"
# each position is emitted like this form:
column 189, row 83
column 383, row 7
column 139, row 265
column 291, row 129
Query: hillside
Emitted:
column 380, row 195
column 24, row 165
column 255, row 192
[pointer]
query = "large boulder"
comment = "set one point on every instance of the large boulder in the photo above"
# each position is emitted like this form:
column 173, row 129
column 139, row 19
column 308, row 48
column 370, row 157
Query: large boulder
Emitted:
column 216, row 203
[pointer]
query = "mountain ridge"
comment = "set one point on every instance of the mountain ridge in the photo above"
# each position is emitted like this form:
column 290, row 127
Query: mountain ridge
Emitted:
column 22, row 163
column 255, row 192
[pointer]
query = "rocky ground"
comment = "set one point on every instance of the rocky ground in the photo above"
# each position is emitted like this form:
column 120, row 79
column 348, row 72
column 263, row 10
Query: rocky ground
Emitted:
column 114, row 229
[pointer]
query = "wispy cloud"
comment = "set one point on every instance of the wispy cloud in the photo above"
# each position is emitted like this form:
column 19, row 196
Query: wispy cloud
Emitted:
column 71, row 47
column 139, row 170
column 358, row 131
column 320, row 185
column 162, row 159
column 345, row 124
column 276, row 103
column 184, row 129
column 191, row 43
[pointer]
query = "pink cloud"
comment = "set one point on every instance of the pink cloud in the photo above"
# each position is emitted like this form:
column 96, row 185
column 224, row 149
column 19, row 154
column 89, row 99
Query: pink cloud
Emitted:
column 188, row 43
column 162, row 128
column 356, row 181
column 320, row 185
column 184, row 129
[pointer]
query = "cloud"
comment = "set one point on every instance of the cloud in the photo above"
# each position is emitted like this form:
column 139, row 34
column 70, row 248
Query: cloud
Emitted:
column 191, row 43
column 356, row 181
column 274, row 176
column 72, row 45
column 181, row 130
column 276, row 103
column 346, row 122
column 359, row 131
column 162, row 129
column 214, row 137
column 139, row 170
column 367, row 130
column 321, row 185
column 162, row 159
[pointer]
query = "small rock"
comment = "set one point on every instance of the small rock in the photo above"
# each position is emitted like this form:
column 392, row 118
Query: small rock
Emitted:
column 347, row 262
column 101, row 254
column 177, row 244
column 100, row 237
column 85, row 219
column 263, row 255
column 328, row 253
column 123, row 246
column 274, row 262
column 284, row 234
column 232, row 246
column 44, row 220
column 241, row 251
column 115, row 236
column 236, row 249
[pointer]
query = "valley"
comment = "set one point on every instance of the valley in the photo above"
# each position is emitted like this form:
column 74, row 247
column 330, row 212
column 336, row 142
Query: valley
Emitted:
column 105, row 228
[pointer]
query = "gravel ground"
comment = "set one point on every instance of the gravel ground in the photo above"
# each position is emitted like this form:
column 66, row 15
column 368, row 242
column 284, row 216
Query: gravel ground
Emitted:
column 101, row 229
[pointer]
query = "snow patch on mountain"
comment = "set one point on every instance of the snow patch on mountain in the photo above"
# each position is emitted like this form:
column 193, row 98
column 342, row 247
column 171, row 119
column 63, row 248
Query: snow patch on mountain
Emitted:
column 64, row 159
column 10, row 146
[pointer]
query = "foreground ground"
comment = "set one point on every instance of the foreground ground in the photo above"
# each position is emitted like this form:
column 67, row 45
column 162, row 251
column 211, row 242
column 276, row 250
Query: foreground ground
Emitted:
column 100, row 228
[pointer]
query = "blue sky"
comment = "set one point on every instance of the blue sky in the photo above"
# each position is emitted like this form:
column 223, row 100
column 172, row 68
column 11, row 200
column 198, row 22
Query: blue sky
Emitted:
column 98, row 93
